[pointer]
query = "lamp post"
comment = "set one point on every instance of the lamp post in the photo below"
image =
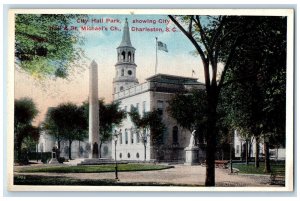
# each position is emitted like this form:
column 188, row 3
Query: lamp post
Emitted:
column 115, row 136
column 144, row 137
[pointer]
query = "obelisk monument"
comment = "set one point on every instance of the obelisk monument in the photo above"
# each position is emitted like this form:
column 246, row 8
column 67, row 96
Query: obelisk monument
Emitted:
column 93, row 111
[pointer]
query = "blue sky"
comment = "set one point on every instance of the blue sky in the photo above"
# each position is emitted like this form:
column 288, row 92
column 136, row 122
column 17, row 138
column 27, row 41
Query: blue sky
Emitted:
column 101, row 46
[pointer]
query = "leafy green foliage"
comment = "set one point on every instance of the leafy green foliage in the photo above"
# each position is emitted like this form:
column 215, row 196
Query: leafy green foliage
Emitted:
column 67, row 121
column 44, row 47
column 149, row 121
column 254, row 92
column 191, row 116
column 239, row 43
column 25, row 112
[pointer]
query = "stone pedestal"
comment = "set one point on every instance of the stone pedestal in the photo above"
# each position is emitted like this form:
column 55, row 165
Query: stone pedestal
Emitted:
column 191, row 155
column 53, row 159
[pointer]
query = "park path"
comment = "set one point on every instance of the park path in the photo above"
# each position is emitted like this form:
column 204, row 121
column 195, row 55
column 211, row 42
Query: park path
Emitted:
column 180, row 174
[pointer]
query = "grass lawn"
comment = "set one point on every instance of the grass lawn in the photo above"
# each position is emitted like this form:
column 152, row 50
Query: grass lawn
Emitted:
column 250, row 168
column 96, row 168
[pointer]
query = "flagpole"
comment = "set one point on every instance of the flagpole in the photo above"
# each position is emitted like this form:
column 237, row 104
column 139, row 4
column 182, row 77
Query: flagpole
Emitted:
column 156, row 55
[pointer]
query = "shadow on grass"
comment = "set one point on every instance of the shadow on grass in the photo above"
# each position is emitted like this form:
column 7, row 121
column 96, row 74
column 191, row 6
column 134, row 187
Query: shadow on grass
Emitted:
column 60, row 180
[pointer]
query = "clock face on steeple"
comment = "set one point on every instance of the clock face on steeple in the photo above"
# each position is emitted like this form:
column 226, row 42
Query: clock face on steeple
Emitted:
column 125, row 66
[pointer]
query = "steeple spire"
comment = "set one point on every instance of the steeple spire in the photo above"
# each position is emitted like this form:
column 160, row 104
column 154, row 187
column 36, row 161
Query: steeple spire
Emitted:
column 126, row 36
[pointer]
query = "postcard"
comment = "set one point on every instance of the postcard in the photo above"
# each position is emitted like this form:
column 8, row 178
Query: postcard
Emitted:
column 150, row 100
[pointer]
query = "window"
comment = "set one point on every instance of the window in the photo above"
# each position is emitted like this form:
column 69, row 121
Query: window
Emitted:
column 122, row 72
column 123, row 56
column 160, row 107
column 120, row 155
column 121, row 138
column 121, row 88
column 175, row 135
column 137, row 138
column 126, row 137
column 137, row 155
column 237, row 149
column 129, row 56
column 129, row 72
column 128, row 155
column 144, row 136
column 131, row 137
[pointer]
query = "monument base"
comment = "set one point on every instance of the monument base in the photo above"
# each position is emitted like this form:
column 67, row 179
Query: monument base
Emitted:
column 192, row 156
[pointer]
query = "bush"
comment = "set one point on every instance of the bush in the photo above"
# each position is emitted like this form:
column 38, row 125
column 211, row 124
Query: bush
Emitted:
column 43, row 156
column 61, row 159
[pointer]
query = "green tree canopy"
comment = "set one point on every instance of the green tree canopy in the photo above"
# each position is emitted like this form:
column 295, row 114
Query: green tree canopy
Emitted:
column 67, row 121
column 219, row 41
column 25, row 112
column 45, row 47
column 191, row 116
column 151, row 121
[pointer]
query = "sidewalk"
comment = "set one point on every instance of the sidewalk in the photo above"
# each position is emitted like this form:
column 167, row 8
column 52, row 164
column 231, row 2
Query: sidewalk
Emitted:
column 180, row 174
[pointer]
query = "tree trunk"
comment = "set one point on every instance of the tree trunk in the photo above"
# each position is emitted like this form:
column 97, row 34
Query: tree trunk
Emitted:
column 257, row 152
column 211, row 143
column 246, row 155
column 249, row 150
column 241, row 153
column 70, row 144
column 267, row 158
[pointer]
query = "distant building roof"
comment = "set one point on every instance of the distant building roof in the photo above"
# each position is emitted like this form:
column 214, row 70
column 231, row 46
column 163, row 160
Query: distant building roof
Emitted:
column 172, row 79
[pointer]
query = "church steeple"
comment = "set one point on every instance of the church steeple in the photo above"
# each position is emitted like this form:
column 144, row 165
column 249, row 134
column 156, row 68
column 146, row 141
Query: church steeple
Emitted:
column 126, row 36
column 125, row 66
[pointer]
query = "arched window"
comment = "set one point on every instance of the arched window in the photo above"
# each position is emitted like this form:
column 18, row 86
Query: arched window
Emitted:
column 175, row 135
column 123, row 56
column 121, row 139
column 126, row 137
column 122, row 72
column 129, row 56
column 121, row 88
column 137, row 138
column 131, row 138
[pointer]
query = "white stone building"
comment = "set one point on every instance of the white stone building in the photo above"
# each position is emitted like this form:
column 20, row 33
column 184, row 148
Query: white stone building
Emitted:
column 148, row 96
column 240, row 147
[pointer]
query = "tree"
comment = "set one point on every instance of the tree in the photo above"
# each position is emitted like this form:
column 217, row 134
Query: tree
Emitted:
column 255, row 94
column 45, row 45
column 217, row 40
column 190, row 116
column 67, row 121
column 150, row 121
column 25, row 112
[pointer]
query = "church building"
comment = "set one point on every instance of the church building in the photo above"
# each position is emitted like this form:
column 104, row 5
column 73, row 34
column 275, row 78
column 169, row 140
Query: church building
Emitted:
column 148, row 96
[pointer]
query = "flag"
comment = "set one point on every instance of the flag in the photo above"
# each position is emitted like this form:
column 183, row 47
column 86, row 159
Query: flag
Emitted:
column 162, row 46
